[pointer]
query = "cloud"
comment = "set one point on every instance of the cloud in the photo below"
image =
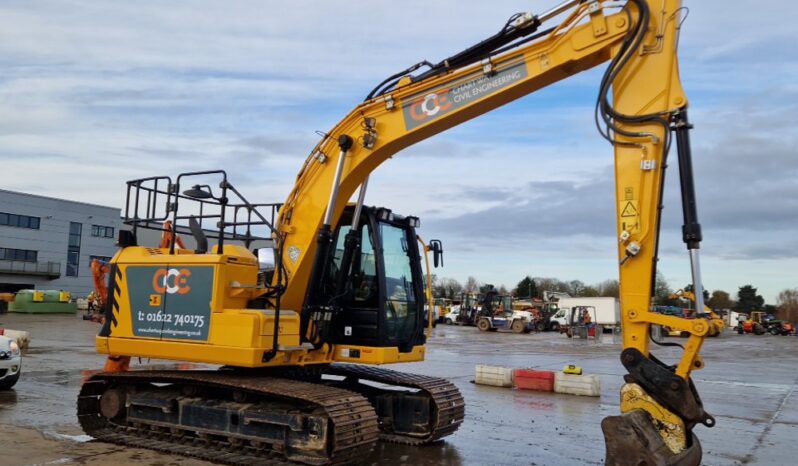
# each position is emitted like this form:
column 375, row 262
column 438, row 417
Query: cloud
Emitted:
column 95, row 93
column 540, row 209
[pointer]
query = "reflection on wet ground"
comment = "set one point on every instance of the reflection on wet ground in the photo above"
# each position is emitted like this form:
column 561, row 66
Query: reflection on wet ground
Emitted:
column 749, row 385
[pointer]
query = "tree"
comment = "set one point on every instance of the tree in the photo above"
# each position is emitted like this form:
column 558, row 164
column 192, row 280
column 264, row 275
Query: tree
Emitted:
column 720, row 300
column 662, row 292
column 447, row 288
column 590, row 291
column 471, row 285
column 575, row 287
column 788, row 299
column 526, row 288
column 611, row 288
column 503, row 290
column 748, row 300
column 551, row 284
column 787, row 303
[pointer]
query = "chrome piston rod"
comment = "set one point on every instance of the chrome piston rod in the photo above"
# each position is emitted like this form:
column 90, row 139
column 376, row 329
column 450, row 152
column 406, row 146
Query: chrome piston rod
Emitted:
column 691, row 229
column 345, row 143
column 361, row 197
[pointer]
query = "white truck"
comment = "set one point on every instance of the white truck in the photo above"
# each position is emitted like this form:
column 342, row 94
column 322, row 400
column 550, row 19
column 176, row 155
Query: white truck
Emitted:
column 608, row 312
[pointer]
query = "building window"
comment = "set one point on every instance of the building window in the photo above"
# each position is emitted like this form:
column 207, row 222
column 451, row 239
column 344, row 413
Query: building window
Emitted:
column 73, row 249
column 23, row 255
column 19, row 221
column 105, row 232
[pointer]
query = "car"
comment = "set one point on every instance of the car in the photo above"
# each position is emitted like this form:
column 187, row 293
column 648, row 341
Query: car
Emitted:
column 10, row 362
column 451, row 317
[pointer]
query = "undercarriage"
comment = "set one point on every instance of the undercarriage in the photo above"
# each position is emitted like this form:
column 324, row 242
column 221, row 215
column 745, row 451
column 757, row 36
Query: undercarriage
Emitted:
column 317, row 417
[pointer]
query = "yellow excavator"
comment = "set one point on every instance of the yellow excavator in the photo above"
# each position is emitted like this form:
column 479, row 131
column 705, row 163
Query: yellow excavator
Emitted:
column 299, row 339
column 716, row 322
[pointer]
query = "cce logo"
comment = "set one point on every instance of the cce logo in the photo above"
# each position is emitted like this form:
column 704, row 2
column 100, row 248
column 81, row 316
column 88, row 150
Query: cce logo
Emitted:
column 171, row 281
column 430, row 105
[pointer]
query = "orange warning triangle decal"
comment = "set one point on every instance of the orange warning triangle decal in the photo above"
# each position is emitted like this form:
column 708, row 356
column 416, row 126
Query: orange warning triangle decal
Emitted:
column 629, row 210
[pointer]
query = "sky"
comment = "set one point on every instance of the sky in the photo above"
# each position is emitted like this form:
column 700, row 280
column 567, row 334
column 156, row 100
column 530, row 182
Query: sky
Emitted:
column 94, row 93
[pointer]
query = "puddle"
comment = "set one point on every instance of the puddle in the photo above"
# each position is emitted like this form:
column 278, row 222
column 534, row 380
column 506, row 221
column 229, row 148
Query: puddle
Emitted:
column 50, row 435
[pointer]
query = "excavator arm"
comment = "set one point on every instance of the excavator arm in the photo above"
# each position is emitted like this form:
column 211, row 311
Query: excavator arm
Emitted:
column 641, row 110
column 99, row 272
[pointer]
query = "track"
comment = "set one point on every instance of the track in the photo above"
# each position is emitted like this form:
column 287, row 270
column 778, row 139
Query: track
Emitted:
column 352, row 432
column 447, row 407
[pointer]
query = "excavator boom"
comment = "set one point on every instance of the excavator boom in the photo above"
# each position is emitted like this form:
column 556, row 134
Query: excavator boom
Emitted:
column 346, row 284
column 641, row 110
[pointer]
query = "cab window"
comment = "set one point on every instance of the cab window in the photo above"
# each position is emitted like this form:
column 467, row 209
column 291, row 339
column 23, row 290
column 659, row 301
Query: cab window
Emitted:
column 364, row 279
column 401, row 308
column 363, row 272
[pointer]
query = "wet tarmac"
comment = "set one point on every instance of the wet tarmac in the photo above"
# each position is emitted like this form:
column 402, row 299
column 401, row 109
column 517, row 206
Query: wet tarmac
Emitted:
column 749, row 385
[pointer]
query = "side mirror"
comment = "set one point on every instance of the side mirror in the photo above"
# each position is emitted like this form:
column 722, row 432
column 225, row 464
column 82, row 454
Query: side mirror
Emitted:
column 436, row 247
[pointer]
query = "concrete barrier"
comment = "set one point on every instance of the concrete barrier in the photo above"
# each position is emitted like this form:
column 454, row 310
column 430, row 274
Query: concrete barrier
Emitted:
column 529, row 379
column 585, row 385
column 496, row 376
column 543, row 381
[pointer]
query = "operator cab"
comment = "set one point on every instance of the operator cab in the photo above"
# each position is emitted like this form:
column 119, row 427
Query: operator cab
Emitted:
column 381, row 298
column 494, row 304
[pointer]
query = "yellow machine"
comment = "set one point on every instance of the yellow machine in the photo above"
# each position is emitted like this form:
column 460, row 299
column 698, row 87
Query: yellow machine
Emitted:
column 345, row 285
column 5, row 299
column 754, row 323
column 716, row 323
column 444, row 306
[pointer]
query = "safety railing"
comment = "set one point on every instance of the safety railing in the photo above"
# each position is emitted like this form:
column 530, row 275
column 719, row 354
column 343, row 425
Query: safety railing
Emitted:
column 215, row 207
column 48, row 269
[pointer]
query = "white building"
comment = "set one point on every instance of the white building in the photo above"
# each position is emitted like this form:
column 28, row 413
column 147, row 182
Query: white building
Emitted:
column 48, row 243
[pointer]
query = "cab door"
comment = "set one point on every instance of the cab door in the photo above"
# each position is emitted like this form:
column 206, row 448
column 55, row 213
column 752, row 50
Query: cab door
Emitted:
column 402, row 278
column 381, row 303
column 358, row 321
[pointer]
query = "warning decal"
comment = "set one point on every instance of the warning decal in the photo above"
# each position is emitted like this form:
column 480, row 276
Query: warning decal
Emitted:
column 629, row 209
column 630, row 215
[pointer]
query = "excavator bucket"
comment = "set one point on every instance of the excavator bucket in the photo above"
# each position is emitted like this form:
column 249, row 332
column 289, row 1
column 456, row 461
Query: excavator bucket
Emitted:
column 633, row 440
